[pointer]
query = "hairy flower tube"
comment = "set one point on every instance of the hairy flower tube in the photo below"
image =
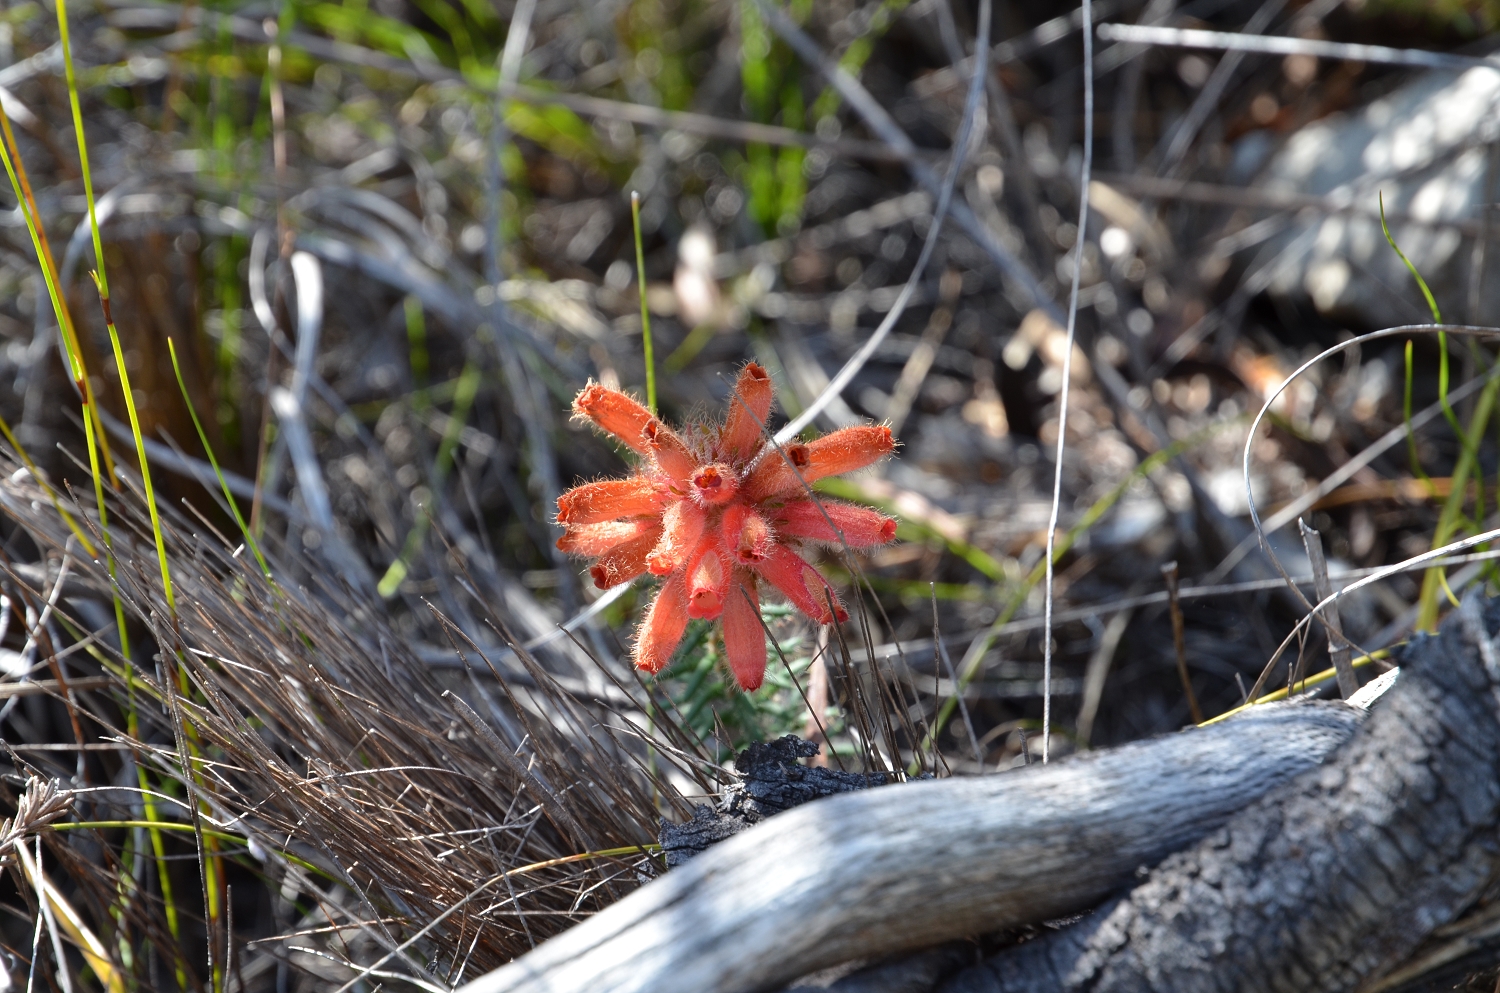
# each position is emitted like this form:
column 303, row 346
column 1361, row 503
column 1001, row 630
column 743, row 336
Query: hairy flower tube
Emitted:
column 716, row 509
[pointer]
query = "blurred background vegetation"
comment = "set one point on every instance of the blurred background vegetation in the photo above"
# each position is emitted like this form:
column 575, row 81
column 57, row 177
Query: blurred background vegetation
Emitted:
column 390, row 239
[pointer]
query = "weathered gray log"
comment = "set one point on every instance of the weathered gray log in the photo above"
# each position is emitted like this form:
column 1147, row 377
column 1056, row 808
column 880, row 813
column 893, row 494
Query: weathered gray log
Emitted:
column 915, row 864
column 1328, row 882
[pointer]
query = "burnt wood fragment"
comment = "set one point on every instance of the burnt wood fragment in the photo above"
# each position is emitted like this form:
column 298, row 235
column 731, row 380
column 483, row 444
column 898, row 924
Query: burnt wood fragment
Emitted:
column 771, row 780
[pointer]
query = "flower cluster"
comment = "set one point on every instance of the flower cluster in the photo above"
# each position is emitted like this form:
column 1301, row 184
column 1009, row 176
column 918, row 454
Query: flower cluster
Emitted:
column 715, row 509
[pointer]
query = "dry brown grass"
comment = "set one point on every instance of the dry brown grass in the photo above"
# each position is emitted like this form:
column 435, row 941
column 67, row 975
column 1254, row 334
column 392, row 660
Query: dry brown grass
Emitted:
column 358, row 779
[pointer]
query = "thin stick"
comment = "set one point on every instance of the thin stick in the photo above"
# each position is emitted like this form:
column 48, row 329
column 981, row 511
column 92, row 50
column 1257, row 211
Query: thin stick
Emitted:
column 1179, row 643
column 1067, row 369
column 1275, row 45
column 940, row 653
column 640, row 270
column 1338, row 647
column 817, row 698
column 34, row 870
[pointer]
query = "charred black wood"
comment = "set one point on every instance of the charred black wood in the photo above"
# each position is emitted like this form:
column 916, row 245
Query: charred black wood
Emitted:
column 771, row 780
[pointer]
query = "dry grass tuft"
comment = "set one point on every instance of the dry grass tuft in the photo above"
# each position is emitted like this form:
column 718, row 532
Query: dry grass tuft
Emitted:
column 371, row 790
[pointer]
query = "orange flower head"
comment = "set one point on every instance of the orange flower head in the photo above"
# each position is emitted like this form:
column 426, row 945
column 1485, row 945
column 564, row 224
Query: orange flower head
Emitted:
column 717, row 513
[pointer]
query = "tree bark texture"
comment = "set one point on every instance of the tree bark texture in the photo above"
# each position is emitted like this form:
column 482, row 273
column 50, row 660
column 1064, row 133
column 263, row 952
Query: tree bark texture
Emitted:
column 1327, row 883
column 912, row 865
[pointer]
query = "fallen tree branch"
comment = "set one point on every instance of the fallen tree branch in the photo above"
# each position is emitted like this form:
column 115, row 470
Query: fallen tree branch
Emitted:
column 915, row 864
column 1328, row 883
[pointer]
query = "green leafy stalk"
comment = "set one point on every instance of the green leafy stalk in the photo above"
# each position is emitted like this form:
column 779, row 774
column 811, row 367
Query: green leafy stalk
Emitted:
column 101, row 281
column 1411, row 435
column 75, row 364
column 640, row 269
column 1437, row 317
column 92, row 428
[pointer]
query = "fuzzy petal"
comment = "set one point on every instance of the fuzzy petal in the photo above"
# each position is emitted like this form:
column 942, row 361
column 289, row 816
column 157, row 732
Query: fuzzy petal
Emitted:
column 618, row 413
column 707, row 580
column 626, row 560
column 682, row 527
column 748, row 409
column 744, row 639
column 608, row 500
column 842, row 451
column 670, row 452
column 594, row 540
column 849, row 449
column 823, row 520
column 746, row 534
column 662, row 627
column 800, row 583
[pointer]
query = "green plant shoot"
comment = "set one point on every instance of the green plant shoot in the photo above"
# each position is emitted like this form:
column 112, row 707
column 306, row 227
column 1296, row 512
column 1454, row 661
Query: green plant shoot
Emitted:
column 209, row 451
column 640, row 271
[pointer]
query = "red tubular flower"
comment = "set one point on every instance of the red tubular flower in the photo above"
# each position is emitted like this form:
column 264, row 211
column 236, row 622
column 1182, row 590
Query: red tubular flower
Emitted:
column 801, row 584
column 626, row 560
column 707, row 580
column 682, row 526
column 843, row 451
column 748, row 409
column 747, row 534
column 826, row 520
column 744, row 639
column 670, row 453
column 662, row 627
column 609, row 500
column 615, row 412
column 715, row 512
column 715, row 484
column 598, row 539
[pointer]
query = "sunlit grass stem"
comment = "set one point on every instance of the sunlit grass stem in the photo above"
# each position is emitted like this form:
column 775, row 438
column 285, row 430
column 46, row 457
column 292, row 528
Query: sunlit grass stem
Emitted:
column 21, row 183
column 208, row 450
column 209, row 868
column 83, row 150
column 140, row 450
column 640, row 270
column 1452, row 517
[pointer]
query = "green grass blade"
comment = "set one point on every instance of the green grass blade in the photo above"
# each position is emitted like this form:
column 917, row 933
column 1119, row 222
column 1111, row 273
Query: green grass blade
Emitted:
column 1437, row 316
column 140, row 449
column 83, row 148
column 209, row 451
column 640, row 269
column 1435, row 581
column 1452, row 516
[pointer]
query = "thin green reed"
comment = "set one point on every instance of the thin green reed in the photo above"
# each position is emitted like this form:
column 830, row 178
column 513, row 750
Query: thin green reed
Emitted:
column 640, row 271
column 1452, row 517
